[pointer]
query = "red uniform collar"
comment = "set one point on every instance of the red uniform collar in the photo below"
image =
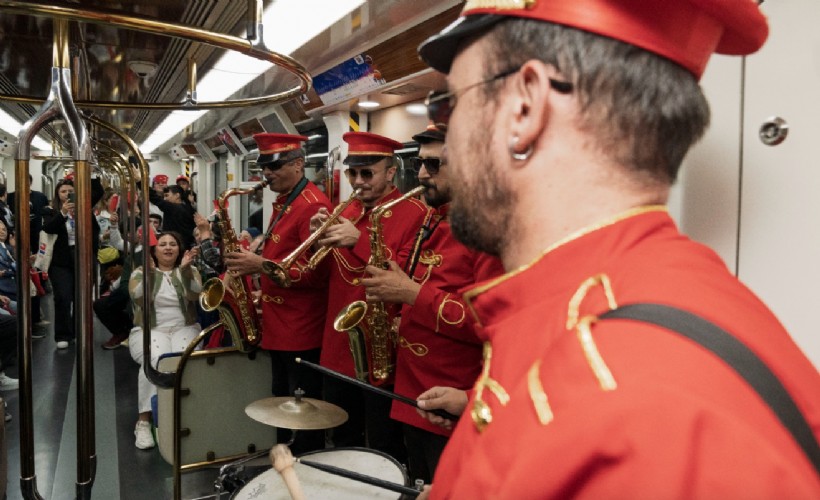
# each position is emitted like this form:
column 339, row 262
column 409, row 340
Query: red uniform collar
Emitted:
column 563, row 266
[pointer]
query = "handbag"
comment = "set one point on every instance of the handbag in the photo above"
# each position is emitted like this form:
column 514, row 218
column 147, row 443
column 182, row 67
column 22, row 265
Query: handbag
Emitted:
column 38, row 281
column 44, row 251
column 106, row 255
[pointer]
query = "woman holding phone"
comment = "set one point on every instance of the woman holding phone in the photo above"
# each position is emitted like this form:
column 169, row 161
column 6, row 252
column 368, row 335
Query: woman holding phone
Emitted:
column 59, row 219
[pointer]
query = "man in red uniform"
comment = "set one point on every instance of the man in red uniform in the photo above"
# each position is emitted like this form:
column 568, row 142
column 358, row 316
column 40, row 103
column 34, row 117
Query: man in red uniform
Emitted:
column 370, row 168
column 293, row 317
column 437, row 344
column 567, row 122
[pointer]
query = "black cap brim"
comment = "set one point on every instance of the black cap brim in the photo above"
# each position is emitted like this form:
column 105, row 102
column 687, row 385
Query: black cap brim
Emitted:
column 363, row 160
column 439, row 50
column 278, row 159
column 429, row 136
column 267, row 160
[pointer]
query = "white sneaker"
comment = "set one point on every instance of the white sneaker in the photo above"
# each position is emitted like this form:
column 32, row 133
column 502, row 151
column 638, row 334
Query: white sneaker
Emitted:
column 7, row 383
column 145, row 439
column 63, row 344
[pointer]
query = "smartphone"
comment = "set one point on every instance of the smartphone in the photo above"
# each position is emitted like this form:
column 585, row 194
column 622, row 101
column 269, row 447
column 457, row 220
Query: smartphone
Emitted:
column 71, row 197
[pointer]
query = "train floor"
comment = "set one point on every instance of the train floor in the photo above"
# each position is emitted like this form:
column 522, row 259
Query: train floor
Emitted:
column 123, row 471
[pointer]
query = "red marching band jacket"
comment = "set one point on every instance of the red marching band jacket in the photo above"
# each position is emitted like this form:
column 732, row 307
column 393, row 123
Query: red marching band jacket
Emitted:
column 348, row 268
column 437, row 342
column 292, row 318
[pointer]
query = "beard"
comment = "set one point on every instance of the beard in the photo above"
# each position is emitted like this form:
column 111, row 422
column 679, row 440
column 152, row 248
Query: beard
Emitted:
column 434, row 196
column 481, row 200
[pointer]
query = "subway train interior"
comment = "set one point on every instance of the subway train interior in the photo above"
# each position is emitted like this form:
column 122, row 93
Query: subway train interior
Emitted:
column 125, row 91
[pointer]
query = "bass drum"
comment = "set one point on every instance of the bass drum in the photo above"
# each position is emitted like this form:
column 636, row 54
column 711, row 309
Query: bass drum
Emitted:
column 320, row 485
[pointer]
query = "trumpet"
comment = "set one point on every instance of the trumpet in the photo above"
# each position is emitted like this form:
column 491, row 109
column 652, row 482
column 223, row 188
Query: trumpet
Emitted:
column 279, row 271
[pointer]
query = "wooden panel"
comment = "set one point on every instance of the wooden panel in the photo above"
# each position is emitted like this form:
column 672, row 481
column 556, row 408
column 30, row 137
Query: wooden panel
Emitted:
column 397, row 57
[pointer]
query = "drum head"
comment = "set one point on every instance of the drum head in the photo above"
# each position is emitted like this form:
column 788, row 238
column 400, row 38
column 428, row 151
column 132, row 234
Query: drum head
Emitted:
column 321, row 485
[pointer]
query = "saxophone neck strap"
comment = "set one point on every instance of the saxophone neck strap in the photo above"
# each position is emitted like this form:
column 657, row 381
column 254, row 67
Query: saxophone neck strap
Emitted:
column 735, row 354
column 292, row 196
column 424, row 234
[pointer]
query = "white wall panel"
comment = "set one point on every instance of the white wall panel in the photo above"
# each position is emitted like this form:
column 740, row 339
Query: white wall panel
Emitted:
column 780, row 215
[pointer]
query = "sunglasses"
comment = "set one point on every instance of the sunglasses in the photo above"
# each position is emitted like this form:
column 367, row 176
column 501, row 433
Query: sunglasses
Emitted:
column 440, row 105
column 365, row 173
column 273, row 167
column 431, row 164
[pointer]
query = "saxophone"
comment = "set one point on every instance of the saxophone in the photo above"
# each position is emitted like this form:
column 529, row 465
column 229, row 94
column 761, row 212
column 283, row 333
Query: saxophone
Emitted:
column 370, row 326
column 236, row 308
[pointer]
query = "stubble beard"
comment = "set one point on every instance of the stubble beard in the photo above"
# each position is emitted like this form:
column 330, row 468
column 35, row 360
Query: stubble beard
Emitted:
column 479, row 211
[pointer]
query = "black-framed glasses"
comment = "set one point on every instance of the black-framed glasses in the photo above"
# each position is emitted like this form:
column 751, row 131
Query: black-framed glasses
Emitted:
column 432, row 164
column 440, row 105
column 365, row 173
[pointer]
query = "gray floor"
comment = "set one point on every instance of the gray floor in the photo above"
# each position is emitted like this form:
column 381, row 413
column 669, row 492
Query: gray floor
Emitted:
column 123, row 471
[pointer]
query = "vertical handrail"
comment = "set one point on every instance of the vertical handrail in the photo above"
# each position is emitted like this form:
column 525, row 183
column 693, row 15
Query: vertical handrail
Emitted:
column 59, row 102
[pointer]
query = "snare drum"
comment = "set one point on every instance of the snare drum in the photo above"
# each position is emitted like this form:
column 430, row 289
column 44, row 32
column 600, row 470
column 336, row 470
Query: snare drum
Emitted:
column 320, row 485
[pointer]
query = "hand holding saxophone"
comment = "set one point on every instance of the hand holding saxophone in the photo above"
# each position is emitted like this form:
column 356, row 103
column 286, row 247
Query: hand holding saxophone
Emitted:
column 390, row 285
column 244, row 262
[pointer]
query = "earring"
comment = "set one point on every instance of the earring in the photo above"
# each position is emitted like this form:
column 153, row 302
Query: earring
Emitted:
column 516, row 155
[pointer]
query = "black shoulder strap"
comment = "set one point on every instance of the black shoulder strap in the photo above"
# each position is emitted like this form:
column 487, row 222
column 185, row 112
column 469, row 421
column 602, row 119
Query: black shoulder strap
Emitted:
column 736, row 355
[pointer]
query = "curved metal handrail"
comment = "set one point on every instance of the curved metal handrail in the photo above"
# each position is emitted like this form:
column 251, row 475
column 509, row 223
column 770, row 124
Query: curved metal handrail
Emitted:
column 254, row 47
column 161, row 379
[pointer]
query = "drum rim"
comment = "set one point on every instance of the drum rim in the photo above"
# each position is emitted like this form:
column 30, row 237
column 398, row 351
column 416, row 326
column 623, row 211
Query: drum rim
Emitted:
column 389, row 457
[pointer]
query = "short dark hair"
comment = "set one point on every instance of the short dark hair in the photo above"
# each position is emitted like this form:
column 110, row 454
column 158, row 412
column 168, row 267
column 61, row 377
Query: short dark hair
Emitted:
column 175, row 189
column 2, row 189
column 155, row 216
column 645, row 111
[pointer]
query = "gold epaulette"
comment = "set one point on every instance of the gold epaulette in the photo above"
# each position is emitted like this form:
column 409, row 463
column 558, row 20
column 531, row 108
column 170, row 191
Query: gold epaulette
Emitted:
column 583, row 330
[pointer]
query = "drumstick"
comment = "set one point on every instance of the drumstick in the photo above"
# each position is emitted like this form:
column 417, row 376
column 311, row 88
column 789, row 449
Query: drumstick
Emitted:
column 362, row 478
column 283, row 461
column 377, row 390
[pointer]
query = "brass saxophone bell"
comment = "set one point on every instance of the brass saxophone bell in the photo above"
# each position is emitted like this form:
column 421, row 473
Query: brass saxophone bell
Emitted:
column 213, row 291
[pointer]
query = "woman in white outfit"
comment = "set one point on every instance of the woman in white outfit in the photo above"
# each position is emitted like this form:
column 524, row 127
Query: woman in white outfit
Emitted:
column 174, row 290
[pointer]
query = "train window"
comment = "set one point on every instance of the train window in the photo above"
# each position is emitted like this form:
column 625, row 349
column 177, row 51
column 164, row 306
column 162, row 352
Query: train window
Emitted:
column 250, row 171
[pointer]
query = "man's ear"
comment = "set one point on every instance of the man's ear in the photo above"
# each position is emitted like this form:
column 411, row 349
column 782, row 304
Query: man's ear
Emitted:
column 531, row 111
column 391, row 170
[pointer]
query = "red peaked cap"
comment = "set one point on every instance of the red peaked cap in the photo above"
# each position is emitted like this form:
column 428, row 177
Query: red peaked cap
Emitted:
column 161, row 178
column 364, row 148
column 271, row 146
column 687, row 32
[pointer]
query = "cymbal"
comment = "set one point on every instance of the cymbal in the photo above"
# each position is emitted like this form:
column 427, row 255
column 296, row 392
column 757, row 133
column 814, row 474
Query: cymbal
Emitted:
column 296, row 413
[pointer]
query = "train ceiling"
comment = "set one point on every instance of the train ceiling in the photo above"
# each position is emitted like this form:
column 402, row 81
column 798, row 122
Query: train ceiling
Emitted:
column 111, row 63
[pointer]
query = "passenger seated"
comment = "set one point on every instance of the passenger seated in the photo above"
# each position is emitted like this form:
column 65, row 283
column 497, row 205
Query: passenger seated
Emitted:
column 176, row 287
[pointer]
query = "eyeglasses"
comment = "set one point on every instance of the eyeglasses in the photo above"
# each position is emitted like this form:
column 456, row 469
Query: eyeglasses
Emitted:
column 440, row 105
column 431, row 164
column 365, row 173
column 273, row 167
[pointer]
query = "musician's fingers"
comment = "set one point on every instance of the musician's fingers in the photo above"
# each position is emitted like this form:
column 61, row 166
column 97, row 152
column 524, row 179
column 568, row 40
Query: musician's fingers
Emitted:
column 374, row 270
